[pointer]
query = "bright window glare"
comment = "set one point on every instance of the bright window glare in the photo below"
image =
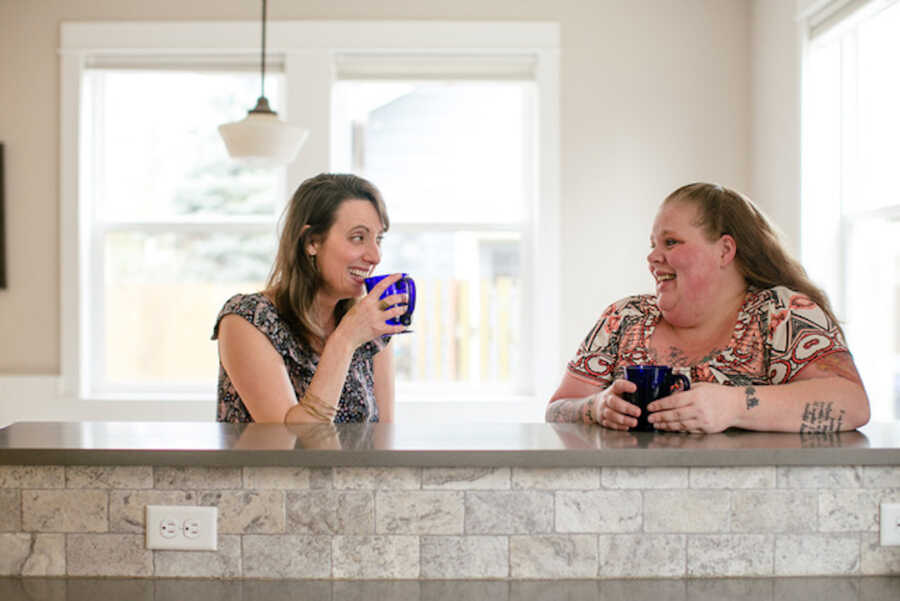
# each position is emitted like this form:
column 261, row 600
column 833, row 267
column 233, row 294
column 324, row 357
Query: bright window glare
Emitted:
column 851, row 212
column 441, row 152
column 879, row 110
column 158, row 146
column 452, row 160
column 163, row 292
column 179, row 226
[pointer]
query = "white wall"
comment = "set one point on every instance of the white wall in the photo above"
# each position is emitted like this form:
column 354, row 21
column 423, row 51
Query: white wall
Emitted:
column 654, row 94
column 775, row 163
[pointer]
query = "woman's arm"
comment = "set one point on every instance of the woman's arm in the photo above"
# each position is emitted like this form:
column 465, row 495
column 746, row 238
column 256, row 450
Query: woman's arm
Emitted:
column 383, row 366
column 260, row 376
column 579, row 401
column 365, row 321
column 570, row 401
column 256, row 369
column 826, row 396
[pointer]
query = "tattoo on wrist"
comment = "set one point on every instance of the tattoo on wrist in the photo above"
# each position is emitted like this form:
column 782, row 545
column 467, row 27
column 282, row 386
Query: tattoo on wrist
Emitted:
column 819, row 417
column 566, row 410
column 752, row 400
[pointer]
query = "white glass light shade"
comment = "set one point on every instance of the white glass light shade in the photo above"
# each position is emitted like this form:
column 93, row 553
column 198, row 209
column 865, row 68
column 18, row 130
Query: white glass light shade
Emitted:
column 262, row 138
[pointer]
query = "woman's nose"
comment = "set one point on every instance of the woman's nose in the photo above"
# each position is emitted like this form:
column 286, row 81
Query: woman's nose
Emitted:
column 373, row 253
column 654, row 256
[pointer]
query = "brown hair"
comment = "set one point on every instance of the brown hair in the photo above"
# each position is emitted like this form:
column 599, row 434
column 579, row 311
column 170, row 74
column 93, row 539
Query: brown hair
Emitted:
column 761, row 258
column 295, row 279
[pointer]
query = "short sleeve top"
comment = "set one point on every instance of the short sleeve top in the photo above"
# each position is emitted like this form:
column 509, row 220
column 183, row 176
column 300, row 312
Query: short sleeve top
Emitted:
column 357, row 402
column 778, row 332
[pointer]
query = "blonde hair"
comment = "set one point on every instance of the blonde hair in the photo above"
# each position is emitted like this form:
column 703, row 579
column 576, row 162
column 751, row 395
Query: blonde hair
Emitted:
column 295, row 278
column 760, row 258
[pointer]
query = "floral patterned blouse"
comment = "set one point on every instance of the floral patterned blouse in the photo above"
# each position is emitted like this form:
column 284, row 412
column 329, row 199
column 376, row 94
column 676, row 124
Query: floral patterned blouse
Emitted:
column 778, row 332
column 357, row 402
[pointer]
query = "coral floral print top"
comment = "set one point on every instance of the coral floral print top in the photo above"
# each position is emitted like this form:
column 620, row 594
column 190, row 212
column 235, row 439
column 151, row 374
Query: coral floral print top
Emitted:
column 778, row 332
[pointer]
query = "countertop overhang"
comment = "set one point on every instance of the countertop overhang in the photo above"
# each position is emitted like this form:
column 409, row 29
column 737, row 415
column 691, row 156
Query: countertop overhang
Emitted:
column 430, row 445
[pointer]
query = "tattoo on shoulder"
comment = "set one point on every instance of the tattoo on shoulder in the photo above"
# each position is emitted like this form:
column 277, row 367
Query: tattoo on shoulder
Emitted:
column 752, row 399
column 838, row 364
column 819, row 416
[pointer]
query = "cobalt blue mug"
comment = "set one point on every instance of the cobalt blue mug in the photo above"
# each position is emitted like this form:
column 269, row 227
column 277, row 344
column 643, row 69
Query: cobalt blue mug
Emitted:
column 405, row 285
column 653, row 382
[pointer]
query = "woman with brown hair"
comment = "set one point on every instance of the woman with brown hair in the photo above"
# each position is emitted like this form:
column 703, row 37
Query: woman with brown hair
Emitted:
column 311, row 347
column 764, row 350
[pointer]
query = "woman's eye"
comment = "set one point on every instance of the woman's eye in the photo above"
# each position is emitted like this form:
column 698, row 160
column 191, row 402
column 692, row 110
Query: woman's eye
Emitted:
column 670, row 242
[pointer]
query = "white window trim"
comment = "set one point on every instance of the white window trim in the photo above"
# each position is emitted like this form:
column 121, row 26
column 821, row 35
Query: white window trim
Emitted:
column 309, row 49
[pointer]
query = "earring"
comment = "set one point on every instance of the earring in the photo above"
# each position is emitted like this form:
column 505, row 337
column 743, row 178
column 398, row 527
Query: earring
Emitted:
column 312, row 257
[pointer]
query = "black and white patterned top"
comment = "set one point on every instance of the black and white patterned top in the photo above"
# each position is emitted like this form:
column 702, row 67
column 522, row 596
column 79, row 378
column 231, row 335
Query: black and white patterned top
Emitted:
column 357, row 402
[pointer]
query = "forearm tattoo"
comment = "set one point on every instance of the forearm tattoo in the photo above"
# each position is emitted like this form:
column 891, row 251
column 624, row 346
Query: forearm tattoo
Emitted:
column 568, row 410
column 818, row 417
column 812, row 440
column 752, row 400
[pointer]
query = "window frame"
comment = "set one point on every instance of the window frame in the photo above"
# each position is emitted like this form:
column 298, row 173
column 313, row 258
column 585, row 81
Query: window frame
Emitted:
column 309, row 50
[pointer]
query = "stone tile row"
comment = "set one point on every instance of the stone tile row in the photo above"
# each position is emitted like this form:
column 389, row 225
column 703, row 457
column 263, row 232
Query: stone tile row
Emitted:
column 401, row 478
column 611, row 556
column 457, row 512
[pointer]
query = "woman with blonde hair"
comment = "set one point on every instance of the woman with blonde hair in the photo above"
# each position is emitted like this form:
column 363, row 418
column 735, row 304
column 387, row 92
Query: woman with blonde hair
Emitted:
column 313, row 346
column 732, row 307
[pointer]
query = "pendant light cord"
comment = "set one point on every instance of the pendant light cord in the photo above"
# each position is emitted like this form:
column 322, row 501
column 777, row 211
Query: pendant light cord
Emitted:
column 262, row 82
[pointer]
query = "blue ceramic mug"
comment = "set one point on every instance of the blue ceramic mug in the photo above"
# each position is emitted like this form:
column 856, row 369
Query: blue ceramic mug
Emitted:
column 405, row 285
column 653, row 382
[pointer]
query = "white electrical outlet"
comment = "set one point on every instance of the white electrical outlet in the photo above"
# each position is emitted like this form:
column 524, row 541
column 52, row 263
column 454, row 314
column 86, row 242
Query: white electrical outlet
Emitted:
column 890, row 524
column 182, row 527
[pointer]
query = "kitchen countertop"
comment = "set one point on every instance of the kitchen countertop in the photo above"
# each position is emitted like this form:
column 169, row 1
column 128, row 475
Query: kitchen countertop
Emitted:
column 430, row 445
column 746, row 589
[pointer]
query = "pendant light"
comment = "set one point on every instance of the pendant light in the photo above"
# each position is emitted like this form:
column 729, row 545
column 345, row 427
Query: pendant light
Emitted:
column 261, row 138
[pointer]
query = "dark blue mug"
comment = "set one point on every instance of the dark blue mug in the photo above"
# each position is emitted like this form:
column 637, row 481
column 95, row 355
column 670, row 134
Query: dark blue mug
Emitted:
column 405, row 285
column 653, row 382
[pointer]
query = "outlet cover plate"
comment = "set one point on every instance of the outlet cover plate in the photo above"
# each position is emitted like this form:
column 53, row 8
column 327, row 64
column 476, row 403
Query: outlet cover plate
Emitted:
column 182, row 527
column 890, row 524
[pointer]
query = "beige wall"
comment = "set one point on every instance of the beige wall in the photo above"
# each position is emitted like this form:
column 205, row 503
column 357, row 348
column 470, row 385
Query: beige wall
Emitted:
column 654, row 94
column 775, row 153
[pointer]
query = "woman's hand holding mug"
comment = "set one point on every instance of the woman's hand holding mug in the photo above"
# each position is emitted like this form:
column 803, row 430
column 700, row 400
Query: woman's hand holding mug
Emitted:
column 610, row 410
column 370, row 317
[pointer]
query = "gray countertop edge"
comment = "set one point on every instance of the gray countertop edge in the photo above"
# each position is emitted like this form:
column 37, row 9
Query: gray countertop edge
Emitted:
column 456, row 458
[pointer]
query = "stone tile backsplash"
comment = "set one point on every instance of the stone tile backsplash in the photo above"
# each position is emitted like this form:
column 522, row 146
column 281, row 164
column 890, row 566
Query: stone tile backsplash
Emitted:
column 453, row 523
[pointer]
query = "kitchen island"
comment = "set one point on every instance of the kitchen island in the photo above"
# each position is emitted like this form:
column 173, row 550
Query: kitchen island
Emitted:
column 512, row 501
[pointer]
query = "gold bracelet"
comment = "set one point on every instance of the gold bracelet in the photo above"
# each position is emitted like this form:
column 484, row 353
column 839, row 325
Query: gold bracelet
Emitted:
column 317, row 407
column 327, row 408
column 313, row 411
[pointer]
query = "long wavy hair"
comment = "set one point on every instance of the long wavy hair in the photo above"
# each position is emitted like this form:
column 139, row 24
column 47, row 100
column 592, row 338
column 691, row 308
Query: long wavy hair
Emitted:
column 295, row 278
column 761, row 258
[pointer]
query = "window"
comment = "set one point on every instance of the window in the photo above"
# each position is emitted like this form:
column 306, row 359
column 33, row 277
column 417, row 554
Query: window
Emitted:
column 159, row 227
column 176, row 227
column 851, row 204
column 452, row 159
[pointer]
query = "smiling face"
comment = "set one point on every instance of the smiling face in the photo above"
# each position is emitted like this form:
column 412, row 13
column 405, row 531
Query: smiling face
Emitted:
column 688, row 267
column 350, row 250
